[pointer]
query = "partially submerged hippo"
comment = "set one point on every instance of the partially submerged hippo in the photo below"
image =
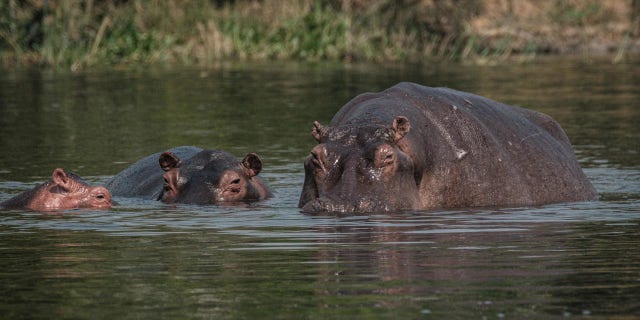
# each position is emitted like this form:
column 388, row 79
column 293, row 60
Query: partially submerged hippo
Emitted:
column 63, row 191
column 416, row 147
column 192, row 175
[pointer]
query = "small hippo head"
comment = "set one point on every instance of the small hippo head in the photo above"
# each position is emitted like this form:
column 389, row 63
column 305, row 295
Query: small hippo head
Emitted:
column 63, row 191
column 211, row 177
column 359, row 168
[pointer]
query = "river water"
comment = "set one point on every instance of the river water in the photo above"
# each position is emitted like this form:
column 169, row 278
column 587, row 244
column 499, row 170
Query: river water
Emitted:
column 146, row 260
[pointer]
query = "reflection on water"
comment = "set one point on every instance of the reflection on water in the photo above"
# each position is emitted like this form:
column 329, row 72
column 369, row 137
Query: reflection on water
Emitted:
column 144, row 259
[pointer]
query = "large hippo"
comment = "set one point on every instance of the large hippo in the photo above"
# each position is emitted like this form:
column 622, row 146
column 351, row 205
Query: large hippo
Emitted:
column 192, row 175
column 416, row 147
column 62, row 191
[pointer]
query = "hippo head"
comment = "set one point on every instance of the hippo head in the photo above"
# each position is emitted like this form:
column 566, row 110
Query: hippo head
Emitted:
column 359, row 168
column 210, row 177
column 63, row 191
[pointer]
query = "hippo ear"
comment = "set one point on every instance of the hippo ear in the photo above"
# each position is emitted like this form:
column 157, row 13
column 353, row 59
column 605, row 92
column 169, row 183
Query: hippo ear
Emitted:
column 61, row 179
column 252, row 164
column 316, row 131
column 168, row 160
column 400, row 127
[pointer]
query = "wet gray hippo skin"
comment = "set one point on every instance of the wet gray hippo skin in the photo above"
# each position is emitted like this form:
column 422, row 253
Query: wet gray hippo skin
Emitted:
column 192, row 175
column 63, row 191
column 416, row 147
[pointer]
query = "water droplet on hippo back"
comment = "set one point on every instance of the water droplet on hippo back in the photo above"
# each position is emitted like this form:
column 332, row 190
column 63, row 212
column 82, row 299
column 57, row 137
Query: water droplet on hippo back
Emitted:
column 460, row 154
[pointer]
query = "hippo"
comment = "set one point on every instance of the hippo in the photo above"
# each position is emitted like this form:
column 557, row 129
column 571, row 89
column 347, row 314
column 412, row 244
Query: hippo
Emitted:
column 192, row 175
column 412, row 147
column 63, row 191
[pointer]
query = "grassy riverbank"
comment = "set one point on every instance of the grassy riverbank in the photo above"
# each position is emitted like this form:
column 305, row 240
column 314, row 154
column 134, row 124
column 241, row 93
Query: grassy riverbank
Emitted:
column 84, row 34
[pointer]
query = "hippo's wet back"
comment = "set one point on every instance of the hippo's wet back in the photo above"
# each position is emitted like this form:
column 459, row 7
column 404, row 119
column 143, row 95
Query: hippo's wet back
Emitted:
column 416, row 147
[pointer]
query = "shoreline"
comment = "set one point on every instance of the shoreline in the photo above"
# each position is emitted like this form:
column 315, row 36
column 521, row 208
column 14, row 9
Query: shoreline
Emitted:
column 68, row 35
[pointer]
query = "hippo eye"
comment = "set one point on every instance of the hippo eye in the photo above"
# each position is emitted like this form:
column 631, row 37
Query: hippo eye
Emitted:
column 100, row 196
column 235, row 181
column 388, row 159
column 383, row 156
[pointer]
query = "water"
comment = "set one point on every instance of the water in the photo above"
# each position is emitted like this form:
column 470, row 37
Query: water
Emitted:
column 143, row 259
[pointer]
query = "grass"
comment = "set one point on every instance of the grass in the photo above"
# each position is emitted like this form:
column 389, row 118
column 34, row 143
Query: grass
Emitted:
column 85, row 34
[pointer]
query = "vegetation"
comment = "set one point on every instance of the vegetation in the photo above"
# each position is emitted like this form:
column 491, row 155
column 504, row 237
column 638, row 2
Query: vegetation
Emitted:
column 81, row 34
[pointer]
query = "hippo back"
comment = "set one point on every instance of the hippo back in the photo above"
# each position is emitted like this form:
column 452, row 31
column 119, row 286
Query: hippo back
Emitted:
column 144, row 178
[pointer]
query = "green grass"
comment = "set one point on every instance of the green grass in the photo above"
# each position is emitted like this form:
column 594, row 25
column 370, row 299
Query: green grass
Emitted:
column 85, row 34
